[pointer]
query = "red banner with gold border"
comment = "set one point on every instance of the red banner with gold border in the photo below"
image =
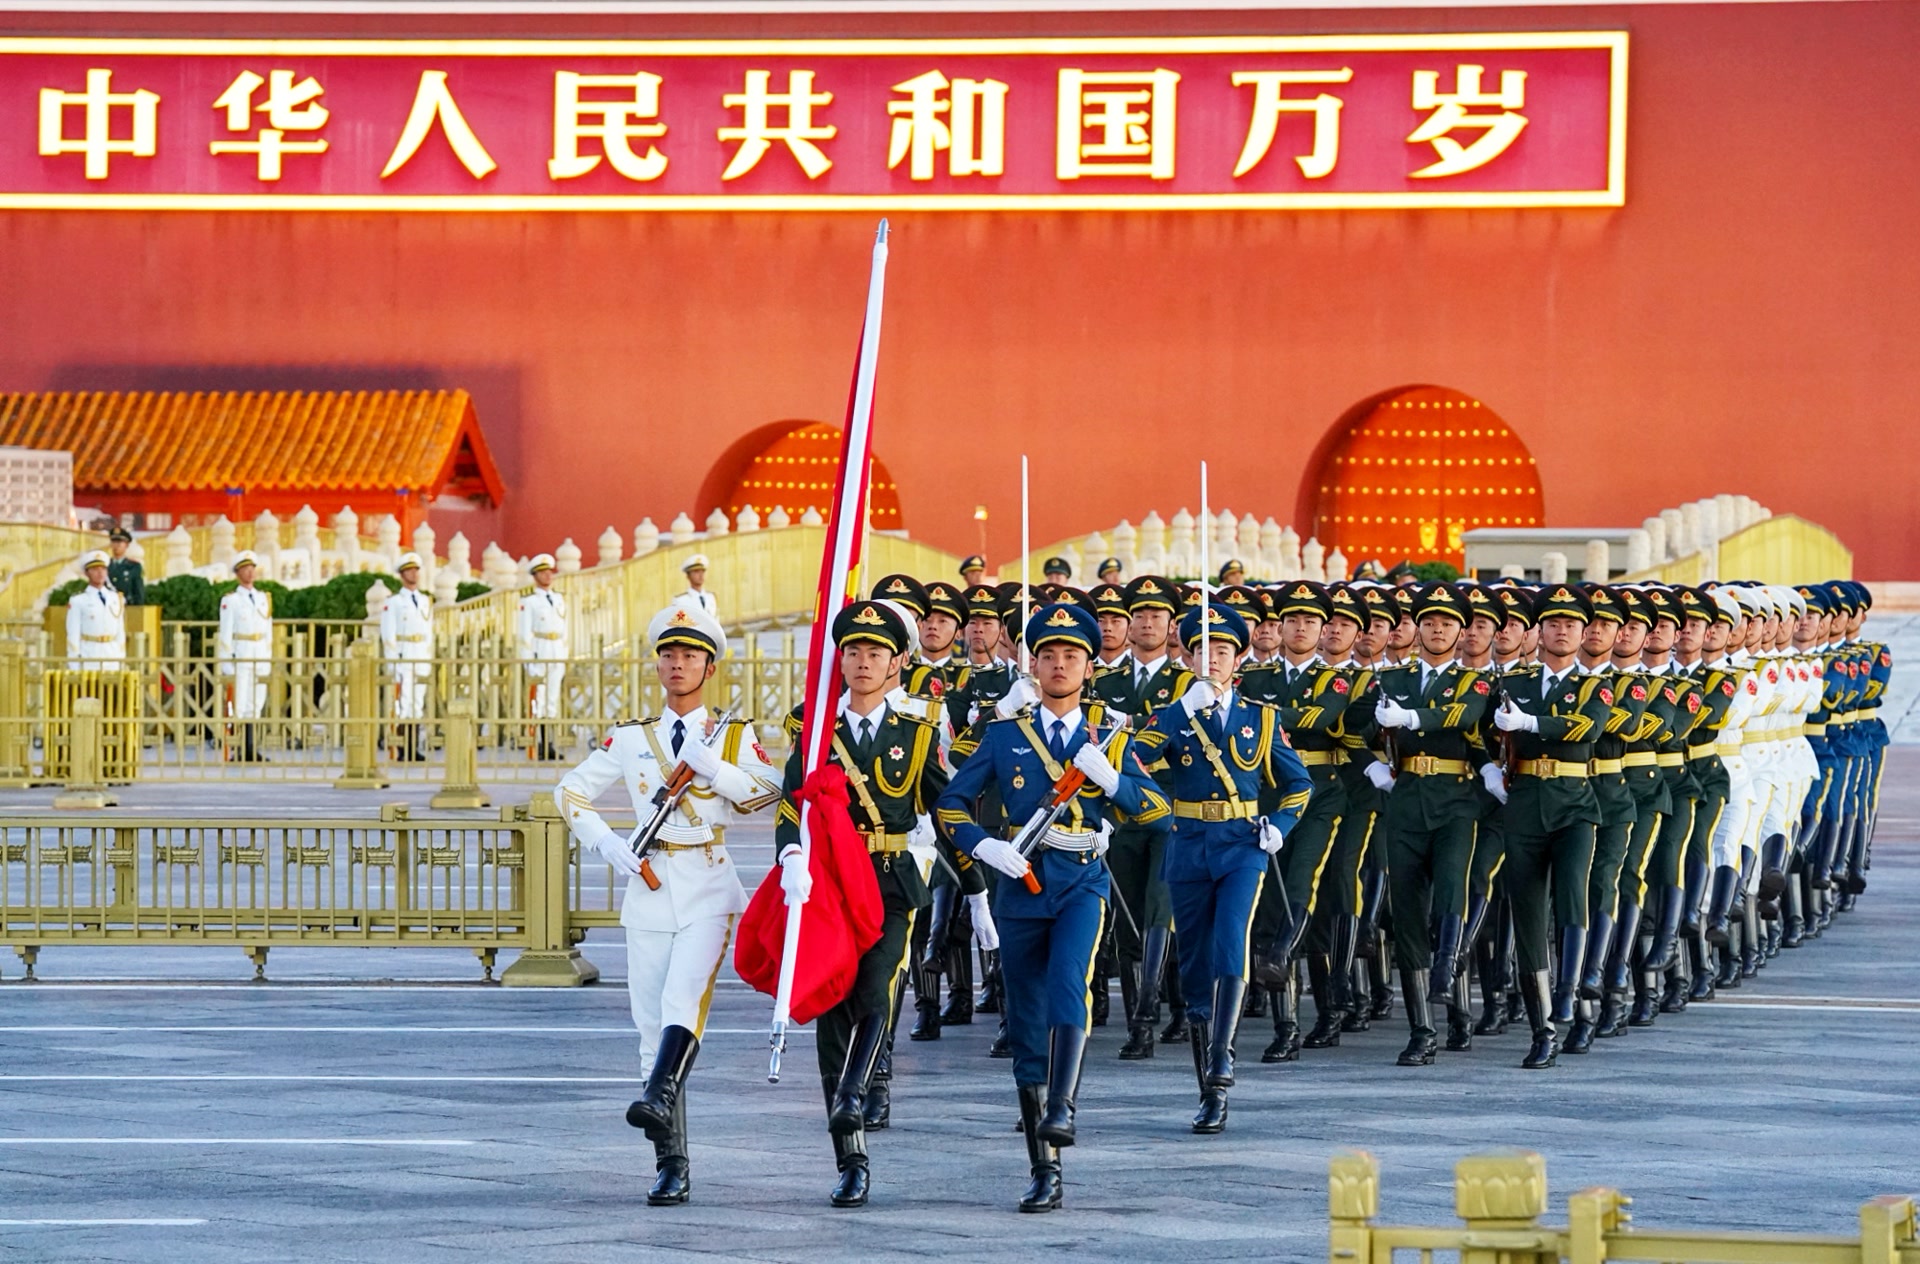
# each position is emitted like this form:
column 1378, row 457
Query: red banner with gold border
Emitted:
column 1259, row 122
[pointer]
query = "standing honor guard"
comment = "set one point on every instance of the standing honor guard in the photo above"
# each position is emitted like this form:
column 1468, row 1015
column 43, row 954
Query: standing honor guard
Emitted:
column 1427, row 711
column 244, row 646
column 96, row 621
column 1220, row 753
column 406, row 641
column 697, row 775
column 541, row 630
column 1067, row 783
column 894, row 775
column 125, row 573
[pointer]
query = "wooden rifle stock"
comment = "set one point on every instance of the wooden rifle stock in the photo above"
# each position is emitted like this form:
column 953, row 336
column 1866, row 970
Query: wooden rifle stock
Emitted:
column 1061, row 795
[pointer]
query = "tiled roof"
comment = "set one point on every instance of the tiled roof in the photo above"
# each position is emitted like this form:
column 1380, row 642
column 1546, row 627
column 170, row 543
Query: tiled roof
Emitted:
column 254, row 440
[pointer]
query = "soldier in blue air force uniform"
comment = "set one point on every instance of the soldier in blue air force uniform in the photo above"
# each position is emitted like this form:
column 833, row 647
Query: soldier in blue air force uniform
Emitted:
column 1219, row 752
column 1048, row 939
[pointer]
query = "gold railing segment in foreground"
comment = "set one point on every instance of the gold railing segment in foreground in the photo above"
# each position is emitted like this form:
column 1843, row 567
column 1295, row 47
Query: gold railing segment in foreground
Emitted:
column 1501, row 1197
column 257, row 883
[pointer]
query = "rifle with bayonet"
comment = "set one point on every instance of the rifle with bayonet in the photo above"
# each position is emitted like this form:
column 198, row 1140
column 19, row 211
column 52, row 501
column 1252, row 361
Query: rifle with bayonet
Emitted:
column 671, row 794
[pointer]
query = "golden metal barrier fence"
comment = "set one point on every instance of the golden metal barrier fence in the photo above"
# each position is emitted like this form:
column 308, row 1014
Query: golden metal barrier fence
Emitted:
column 258, row 883
column 332, row 715
column 1501, row 1197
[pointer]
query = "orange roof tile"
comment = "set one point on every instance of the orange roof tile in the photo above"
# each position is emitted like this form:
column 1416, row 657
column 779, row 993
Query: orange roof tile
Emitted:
column 256, row 440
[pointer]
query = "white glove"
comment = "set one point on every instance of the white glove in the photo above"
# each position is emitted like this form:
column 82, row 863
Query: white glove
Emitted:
column 921, row 835
column 1381, row 776
column 794, row 878
column 1002, row 855
column 1102, row 839
column 1018, row 699
column 1093, row 761
column 1494, row 780
column 1200, row 695
column 703, row 759
column 1270, row 836
column 1391, row 715
column 985, row 933
column 613, row 846
column 1511, row 719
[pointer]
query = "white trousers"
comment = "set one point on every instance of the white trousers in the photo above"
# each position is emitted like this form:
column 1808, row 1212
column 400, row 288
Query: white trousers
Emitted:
column 1731, row 830
column 545, row 679
column 670, row 978
column 248, row 677
column 410, row 692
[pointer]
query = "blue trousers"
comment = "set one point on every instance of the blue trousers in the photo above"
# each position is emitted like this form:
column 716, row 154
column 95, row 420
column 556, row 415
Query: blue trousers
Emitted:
column 1213, row 918
column 1046, row 964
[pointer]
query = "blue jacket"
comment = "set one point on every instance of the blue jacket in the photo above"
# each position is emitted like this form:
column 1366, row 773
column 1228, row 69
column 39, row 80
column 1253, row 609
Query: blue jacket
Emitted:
column 1254, row 755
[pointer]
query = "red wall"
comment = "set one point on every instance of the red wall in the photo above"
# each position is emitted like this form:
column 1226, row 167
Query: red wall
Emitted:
column 1750, row 322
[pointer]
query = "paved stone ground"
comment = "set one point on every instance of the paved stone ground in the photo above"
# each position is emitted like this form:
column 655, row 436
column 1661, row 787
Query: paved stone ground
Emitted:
column 382, row 1106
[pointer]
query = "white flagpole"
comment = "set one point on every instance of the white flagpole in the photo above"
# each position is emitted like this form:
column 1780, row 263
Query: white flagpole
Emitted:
column 1026, row 567
column 1206, row 541
column 842, row 531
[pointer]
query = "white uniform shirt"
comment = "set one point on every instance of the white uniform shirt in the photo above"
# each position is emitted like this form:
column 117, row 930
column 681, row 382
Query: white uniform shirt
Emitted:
column 701, row 598
column 96, row 627
column 697, row 883
column 246, row 624
column 406, row 625
column 541, row 626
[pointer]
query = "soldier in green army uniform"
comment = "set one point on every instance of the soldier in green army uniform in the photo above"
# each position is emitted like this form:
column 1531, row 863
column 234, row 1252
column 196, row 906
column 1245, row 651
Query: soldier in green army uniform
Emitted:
column 1554, row 715
column 1428, row 711
column 1493, row 945
column 894, row 774
column 1485, row 617
column 1136, row 687
column 1311, row 696
column 1373, row 955
column 1334, row 929
column 125, row 575
column 1662, row 715
column 1110, row 610
column 1619, row 807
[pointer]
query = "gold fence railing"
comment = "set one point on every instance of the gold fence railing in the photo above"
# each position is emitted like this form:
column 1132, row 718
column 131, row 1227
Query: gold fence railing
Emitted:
column 1501, row 1197
column 334, row 716
column 256, row 883
column 1783, row 549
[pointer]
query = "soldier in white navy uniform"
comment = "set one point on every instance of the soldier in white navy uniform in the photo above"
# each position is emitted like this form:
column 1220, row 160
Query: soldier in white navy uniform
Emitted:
column 244, row 646
column 677, row 934
column 541, row 630
column 96, row 621
column 406, row 642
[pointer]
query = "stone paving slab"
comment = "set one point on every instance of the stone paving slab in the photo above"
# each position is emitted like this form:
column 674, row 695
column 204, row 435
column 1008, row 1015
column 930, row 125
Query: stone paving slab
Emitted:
column 1784, row 1105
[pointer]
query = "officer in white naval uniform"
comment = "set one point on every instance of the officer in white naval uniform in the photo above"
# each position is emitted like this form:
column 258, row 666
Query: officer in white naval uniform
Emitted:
column 406, row 642
column 244, row 646
column 96, row 621
column 541, row 629
column 695, row 569
column 677, row 934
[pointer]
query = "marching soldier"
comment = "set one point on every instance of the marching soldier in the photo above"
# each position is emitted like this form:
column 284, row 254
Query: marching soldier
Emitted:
column 244, row 645
column 1373, row 962
column 894, row 773
column 127, row 576
column 406, row 640
column 1110, row 609
column 1312, row 699
column 1554, row 714
column 1427, row 711
column 1049, row 936
column 96, row 621
column 541, row 628
column 1221, row 752
column 1336, row 925
column 1486, row 616
column 680, row 915
column 1138, row 686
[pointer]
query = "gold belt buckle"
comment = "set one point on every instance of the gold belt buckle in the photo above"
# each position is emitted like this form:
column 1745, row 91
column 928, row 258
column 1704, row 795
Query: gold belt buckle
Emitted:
column 1213, row 810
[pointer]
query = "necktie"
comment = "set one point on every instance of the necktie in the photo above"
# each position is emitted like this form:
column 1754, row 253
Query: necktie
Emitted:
column 679, row 735
column 1057, row 740
column 1139, row 677
column 866, row 731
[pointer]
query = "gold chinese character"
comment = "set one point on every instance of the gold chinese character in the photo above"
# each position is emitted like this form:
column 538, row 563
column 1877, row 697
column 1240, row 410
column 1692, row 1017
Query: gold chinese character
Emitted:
column 617, row 128
column 756, row 135
column 975, row 140
column 97, row 141
column 1450, row 113
column 433, row 101
column 1131, row 141
column 289, row 107
column 1269, row 105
